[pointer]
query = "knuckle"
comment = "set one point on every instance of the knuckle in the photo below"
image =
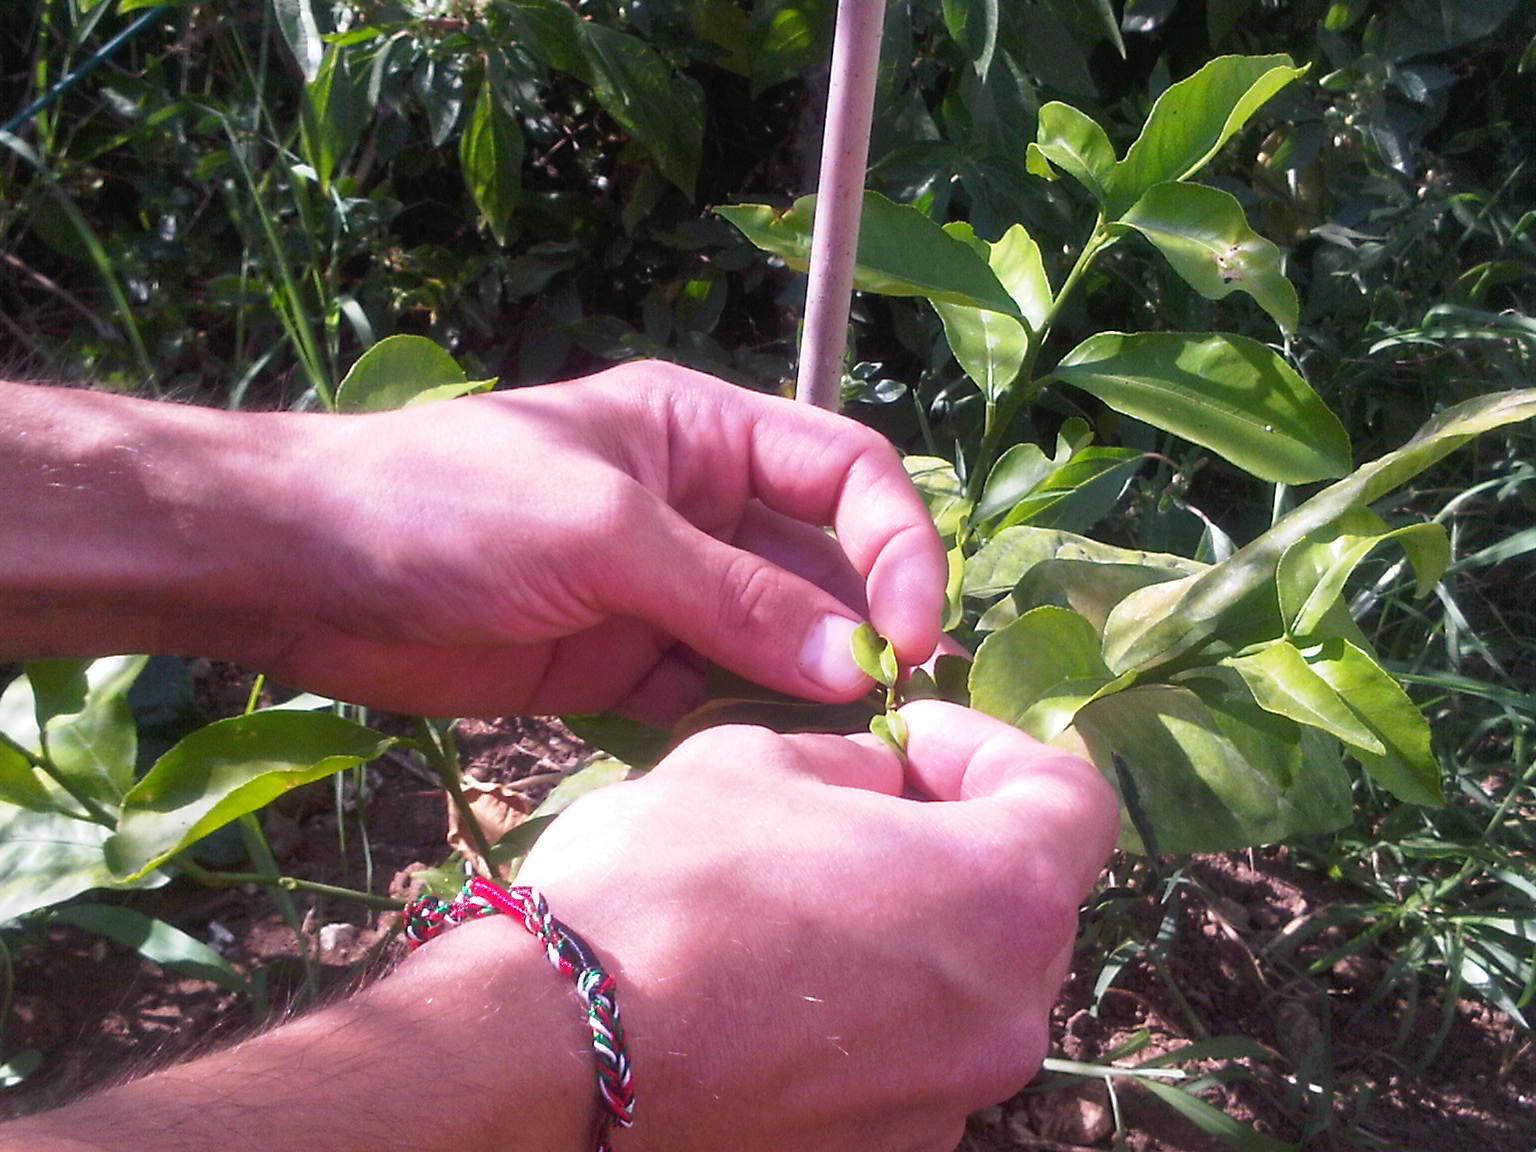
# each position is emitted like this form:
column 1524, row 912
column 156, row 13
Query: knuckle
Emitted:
column 747, row 591
column 727, row 745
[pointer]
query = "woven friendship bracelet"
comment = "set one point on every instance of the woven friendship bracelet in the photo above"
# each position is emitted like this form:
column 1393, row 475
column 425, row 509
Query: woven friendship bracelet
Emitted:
column 429, row 916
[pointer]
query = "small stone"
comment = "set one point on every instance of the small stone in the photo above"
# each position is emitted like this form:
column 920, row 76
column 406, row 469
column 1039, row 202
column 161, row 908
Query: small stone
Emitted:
column 1077, row 1115
column 336, row 941
column 1297, row 1032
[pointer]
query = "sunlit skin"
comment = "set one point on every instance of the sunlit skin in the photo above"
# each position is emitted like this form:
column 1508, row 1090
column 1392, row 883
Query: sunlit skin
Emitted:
column 818, row 944
column 571, row 547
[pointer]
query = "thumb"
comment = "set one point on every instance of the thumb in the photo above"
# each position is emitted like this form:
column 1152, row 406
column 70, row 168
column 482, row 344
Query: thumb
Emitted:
column 957, row 753
column 738, row 609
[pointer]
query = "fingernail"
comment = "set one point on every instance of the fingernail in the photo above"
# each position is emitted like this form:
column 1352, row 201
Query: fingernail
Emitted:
column 827, row 658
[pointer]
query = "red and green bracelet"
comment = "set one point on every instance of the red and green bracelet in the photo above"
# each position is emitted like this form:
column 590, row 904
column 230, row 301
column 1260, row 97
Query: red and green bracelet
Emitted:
column 429, row 916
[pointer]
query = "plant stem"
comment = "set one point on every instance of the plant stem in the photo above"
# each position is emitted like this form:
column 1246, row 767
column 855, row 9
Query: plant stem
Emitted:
column 287, row 883
column 839, row 200
column 282, row 895
column 93, row 809
column 1000, row 413
column 444, row 759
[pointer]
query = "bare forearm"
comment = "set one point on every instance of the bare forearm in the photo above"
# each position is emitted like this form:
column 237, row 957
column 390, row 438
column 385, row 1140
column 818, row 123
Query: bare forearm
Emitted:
column 476, row 1048
column 133, row 526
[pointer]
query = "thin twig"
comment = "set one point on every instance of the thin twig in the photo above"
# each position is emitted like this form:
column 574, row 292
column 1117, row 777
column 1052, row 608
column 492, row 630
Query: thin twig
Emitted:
column 48, row 284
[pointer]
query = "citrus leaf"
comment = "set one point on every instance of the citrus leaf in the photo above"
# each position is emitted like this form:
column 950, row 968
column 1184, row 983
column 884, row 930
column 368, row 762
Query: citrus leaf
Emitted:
column 664, row 112
column 901, row 252
column 1283, row 682
column 1078, row 145
column 227, row 769
column 1206, row 238
column 89, row 735
column 940, row 487
column 1003, row 561
column 1312, row 572
column 20, row 783
column 47, row 857
column 1162, row 622
column 1193, row 119
column 402, row 372
column 1228, row 393
column 869, row 652
column 1030, row 659
column 1209, row 775
column 1406, row 767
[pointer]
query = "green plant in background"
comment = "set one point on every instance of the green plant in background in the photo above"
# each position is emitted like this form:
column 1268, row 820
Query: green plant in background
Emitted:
column 1215, row 696
column 228, row 201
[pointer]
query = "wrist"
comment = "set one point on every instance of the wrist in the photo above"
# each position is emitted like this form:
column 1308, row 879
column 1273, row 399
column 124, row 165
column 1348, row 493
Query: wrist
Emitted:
column 474, row 1045
column 143, row 526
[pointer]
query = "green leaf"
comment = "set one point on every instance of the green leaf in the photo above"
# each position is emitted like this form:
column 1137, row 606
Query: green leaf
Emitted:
column 1228, row 393
column 1192, row 120
column 89, row 737
column 1096, row 17
column 891, row 728
column 901, row 252
column 789, row 36
column 1312, row 572
column 988, row 346
column 1161, row 623
column 227, row 769
column 1284, row 683
column 1036, row 164
column 296, row 20
column 1208, row 776
column 402, row 372
column 1026, row 662
column 332, row 116
column 1080, row 493
column 1075, row 143
column 47, row 857
column 663, row 112
column 639, row 745
column 940, row 487
column 1009, row 556
column 491, row 159
column 155, row 940
column 1213, row 1121
column 20, row 783
column 551, row 32
column 869, row 653
column 973, row 25
column 1406, row 767
column 1016, row 260
column 1017, row 473
column 1205, row 236
column 1091, row 588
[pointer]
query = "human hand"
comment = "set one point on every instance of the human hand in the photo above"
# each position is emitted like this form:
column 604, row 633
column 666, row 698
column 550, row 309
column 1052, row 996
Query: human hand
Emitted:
column 584, row 545
column 807, row 959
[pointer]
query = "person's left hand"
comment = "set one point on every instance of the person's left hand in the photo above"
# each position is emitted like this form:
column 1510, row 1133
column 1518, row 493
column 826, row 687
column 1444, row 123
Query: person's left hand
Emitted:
column 587, row 545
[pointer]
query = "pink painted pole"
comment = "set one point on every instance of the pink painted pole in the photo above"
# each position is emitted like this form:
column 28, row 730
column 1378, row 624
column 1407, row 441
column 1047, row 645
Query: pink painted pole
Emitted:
column 839, row 198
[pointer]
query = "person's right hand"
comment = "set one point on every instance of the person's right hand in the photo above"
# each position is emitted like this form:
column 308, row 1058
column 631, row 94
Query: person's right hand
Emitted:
column 809, row 958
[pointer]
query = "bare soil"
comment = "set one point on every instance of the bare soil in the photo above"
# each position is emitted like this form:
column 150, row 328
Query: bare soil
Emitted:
column 1234, row 965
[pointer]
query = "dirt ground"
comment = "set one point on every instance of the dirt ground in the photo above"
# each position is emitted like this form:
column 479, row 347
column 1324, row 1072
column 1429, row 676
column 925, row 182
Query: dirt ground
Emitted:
column 1383, row 1078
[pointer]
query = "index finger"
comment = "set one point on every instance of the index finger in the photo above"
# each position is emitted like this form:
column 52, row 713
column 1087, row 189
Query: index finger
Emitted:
column 956, row 753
